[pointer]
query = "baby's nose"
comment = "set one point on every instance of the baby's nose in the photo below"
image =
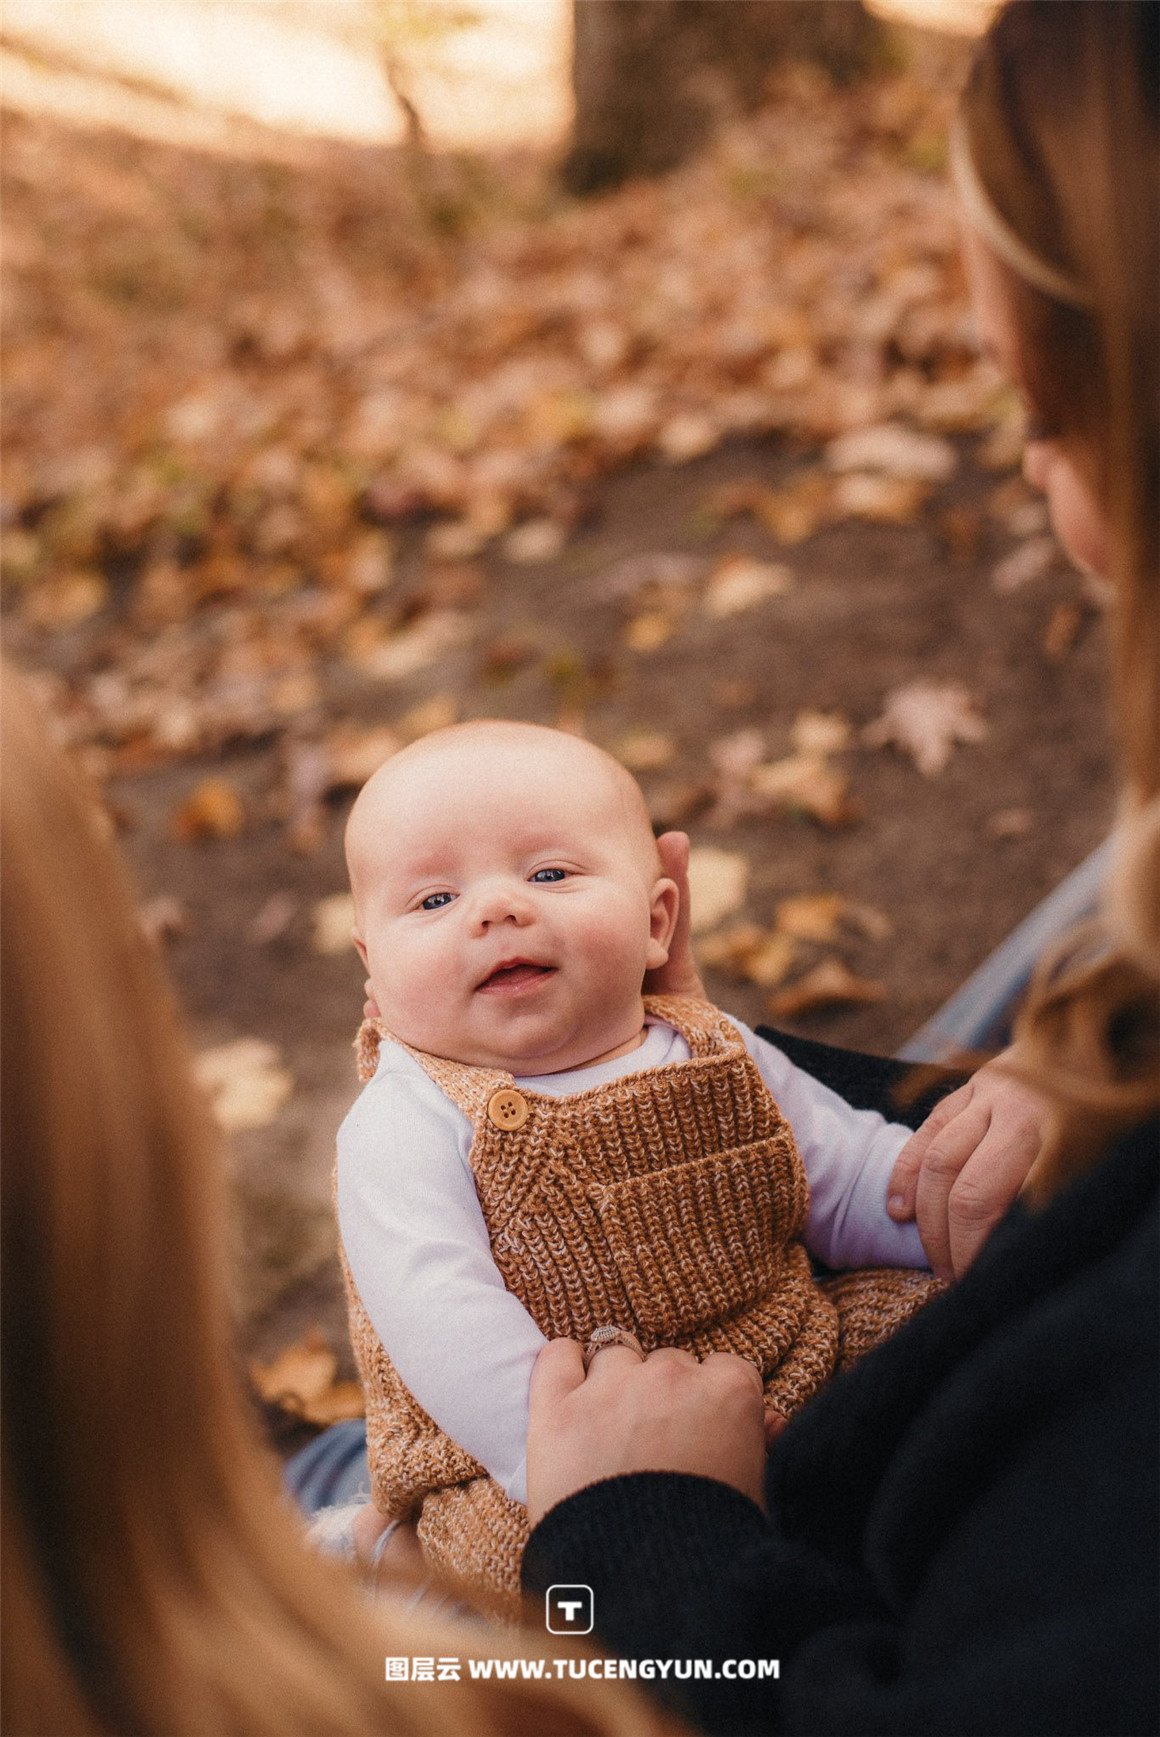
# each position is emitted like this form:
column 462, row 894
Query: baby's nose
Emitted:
column 502, row 902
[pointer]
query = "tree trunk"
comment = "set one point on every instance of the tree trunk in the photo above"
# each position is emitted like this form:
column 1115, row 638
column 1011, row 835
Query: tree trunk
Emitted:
column 654, row 78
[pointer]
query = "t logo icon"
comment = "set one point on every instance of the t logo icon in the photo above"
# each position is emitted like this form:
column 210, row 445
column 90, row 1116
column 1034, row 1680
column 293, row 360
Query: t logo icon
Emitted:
column 569, row 1610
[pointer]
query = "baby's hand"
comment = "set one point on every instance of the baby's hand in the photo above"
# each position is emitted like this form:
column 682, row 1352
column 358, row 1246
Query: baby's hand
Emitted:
column 679, row 976
column 962, row 1169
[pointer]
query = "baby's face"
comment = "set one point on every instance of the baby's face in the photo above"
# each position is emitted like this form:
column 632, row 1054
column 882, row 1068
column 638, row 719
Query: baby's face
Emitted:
column 509, row 899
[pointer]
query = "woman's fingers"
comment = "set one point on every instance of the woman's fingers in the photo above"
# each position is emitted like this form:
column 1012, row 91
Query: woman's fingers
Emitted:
column 557, row 1372
column 680, row 975
column 902, row 1189
column 944, row 1158
column 987, row 1185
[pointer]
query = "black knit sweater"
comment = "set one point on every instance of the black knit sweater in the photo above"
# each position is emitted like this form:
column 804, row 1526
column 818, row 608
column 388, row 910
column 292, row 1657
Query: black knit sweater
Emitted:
column 962, row 1532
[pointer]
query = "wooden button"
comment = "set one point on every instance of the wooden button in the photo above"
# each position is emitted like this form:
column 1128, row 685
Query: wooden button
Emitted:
column 507, row 1109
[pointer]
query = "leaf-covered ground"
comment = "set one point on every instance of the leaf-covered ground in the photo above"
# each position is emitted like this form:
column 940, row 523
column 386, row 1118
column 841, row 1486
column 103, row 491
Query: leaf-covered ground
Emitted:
column 304, row 460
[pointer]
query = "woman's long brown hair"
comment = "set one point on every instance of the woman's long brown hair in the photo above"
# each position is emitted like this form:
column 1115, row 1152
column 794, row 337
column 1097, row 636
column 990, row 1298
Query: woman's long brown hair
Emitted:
column 154, row 1576
column 1061, row 121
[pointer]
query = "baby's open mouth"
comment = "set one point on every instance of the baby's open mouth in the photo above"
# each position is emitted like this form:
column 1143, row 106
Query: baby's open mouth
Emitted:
column 516, row 974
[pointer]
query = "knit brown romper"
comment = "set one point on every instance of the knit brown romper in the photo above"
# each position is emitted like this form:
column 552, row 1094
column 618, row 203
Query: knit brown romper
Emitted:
column 670, row 1202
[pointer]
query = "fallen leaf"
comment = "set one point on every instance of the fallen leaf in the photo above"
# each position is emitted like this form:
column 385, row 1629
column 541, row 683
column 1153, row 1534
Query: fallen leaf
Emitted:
column 333, row 919
column 536, row 541
column 504, row 658
column 370, row 564
column 895, row 451
column 1062, row 630
column 831, row 983
column 688, row 436
column 1029, row 561
column 455, row 541
column 273, row 919
column 301, row 1379
column 60, row 604
column 718, row 880
column 648, row 632
column 645, row 750
column 883, row 500
column 436, row 713
column 393, row 656
column 811, row 916
column 808, row 785
column 676, row 801
column 213, row 809
column 739, row 582
column 1010, row 822
column 246, row 1083
column 794, row 512
column 303, row 1370
column 164, row 918
column 760, row 955
column 818, row 734
column 353, row 755
column 925, row 720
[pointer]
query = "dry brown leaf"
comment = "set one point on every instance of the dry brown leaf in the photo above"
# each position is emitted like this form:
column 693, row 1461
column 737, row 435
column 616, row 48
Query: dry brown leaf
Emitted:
column 645, row 750
column 739, row 582
column 246, row 1083
column 884, row 500
column 301, row 1379
column 818, row 734
column 718, row 882
column 831, row 983
column 925, row 719
column 648, row 632
column 807, row 785
column 1010, row 822
column 676, row 801
column 811, row 916
column 59, row 604
column 164, row 918
column 355, row 754
column 213, row 809
column 892, row 450
column 794, row 512
column 535, row 541
column 762, row 956
column 436, row 713
column 333, row 919
column 1062, row 630
column 688, row 436
column 1027, row 562
column 273, row 918
column 302, row 1371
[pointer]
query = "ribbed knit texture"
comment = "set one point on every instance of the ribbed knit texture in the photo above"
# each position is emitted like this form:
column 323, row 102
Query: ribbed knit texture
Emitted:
column 670, row 1202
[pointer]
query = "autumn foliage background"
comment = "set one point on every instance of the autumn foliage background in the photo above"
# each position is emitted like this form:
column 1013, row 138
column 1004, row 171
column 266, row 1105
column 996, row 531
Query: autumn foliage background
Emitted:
column 313, row 448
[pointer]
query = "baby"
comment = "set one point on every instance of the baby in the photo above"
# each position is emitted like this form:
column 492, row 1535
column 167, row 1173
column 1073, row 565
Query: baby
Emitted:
column 541, row 1150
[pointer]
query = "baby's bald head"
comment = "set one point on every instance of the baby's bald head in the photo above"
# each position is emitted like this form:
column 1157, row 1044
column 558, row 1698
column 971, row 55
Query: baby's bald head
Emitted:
column 472, row 765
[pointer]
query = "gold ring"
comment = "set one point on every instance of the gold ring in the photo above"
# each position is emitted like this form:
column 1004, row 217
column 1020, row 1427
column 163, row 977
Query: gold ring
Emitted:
column 604, row 1336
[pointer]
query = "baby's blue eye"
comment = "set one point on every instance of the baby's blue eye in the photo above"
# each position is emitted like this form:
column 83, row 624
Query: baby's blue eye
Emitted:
column 435, row 901
column 547, row 875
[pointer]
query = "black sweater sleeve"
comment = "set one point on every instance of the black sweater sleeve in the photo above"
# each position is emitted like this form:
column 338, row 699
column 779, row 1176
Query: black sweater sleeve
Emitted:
column 995, row 1570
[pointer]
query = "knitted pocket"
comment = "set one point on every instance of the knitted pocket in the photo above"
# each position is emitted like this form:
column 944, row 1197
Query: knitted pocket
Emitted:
column 698, row 1242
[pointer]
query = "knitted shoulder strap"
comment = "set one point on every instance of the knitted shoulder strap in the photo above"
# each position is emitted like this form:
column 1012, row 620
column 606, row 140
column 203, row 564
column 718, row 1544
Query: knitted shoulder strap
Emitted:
column 703, row 1026
column 469, row 1088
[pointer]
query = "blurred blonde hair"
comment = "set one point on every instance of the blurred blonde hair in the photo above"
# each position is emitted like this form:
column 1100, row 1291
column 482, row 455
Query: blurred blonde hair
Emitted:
column 1060, row 122
column 154, row 1575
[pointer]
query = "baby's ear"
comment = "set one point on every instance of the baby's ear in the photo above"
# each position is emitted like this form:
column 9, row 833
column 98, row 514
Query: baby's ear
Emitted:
column 360, row 947
column 665, row 904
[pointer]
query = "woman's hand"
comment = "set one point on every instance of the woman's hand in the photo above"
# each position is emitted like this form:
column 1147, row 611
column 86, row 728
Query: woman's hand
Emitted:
column 667, row 1413
column 959, row 1174
column 679, row 975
